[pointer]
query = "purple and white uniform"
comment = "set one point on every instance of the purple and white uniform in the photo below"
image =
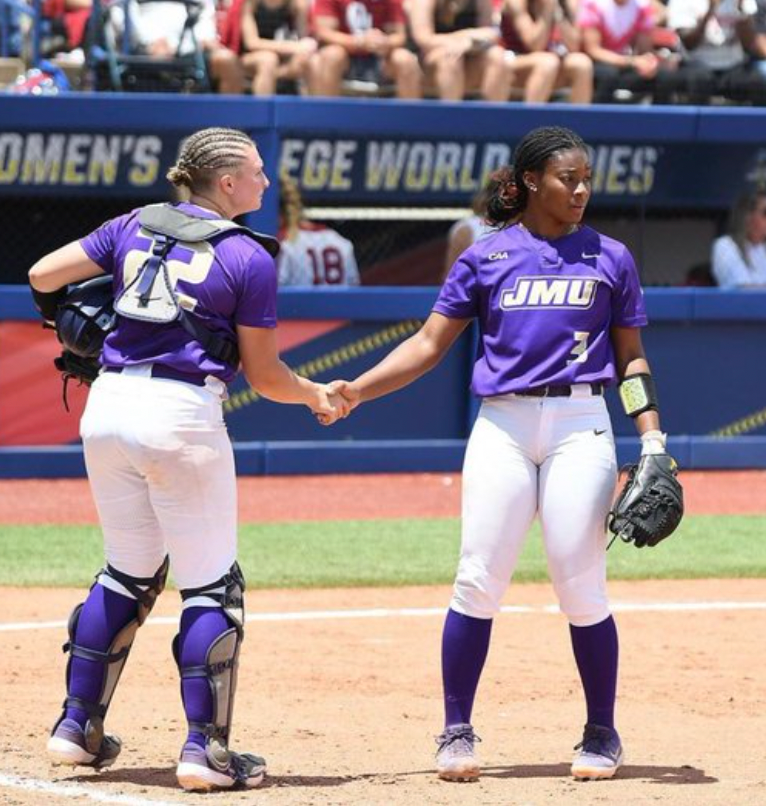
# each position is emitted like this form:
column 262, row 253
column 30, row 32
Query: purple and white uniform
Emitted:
column 159, row 458
column 232, row 281
column 545, row 309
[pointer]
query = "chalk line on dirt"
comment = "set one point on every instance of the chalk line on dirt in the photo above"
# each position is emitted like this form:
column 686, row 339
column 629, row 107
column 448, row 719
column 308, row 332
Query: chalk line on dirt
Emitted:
column 74, row 791
column 420, row 612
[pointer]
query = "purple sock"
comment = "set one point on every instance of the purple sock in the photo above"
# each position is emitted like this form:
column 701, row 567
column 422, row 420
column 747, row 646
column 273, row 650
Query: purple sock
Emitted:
column 465, row 643
column 103, row 615
column 596, row 651
column 200, row 626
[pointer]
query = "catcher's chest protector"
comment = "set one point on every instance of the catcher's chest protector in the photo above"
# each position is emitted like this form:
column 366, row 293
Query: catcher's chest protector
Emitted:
column 151, row 296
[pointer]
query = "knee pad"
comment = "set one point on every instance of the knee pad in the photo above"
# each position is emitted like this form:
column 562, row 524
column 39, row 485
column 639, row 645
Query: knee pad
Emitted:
column 146, row 590
column 222, row 656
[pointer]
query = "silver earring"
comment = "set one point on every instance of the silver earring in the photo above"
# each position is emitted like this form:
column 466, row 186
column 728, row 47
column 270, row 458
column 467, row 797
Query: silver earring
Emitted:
column 533, row 188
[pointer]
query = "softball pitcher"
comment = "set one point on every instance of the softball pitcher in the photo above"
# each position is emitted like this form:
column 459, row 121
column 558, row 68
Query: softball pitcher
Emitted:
column 559, row 309
column 158, row 456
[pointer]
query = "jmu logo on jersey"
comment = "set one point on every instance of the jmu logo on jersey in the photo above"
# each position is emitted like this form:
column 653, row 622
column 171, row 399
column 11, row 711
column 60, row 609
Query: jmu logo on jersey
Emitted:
column 549, row 292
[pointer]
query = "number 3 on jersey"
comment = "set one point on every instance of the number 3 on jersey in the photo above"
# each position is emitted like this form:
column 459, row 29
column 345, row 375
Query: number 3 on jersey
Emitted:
column 580, row 349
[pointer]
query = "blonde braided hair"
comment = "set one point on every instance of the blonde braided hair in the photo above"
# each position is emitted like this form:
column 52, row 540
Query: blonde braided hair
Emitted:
column 206, row 152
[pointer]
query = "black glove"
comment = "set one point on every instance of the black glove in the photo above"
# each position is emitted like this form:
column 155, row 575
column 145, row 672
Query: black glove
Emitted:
column 74, row 367
column 651, row 503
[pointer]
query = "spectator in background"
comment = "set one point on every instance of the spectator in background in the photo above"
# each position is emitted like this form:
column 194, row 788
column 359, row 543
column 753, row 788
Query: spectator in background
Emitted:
column 717, row 35
column 618, row 36
column 462, row 52
column 67, row 20
column 310, row 254
column 530, row 26
column 364, row 40
column 758, row 45
column 466, row 231
column 275, row 42
column 739, row 256
column 158, row 30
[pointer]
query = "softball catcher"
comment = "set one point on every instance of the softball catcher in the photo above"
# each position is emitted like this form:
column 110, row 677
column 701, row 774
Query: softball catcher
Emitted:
column 560, row 309
column 194, row 294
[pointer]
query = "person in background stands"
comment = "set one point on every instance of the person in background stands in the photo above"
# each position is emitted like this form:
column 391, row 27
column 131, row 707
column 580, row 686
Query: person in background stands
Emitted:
column 739, row 257
column 69, row 17
column 618, row 36
column 310, row 254
column 157, row 28
column 757, row 47
column 530, row 26
column 462, row 52
column 365, row 40
column 275, row 42
column 717, row 36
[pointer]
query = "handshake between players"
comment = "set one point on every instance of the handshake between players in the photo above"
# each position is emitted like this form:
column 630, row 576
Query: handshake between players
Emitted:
column 342, row 398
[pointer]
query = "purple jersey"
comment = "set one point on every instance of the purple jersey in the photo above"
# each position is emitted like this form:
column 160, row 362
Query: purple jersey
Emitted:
column 545, row 308
column 233, row 284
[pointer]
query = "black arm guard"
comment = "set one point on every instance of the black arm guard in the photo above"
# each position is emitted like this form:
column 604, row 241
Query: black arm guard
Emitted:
column 47, row 302
column 638, row 394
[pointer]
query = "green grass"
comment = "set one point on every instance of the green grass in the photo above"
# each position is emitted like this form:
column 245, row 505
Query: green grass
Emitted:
column 389, row 552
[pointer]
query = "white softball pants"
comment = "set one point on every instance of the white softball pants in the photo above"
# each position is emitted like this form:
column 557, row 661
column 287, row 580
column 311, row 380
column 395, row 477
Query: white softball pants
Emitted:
column 161, row 469
column 552, row 457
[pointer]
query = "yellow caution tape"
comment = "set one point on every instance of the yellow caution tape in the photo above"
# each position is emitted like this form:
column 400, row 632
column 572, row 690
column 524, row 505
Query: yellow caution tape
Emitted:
column 742, row 426
column 336, row 358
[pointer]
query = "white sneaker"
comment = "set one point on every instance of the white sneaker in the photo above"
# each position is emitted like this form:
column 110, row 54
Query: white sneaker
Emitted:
column 456, row 759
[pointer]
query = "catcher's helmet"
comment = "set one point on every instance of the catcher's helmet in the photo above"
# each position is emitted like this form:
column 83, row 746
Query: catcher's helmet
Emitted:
column 86, row 316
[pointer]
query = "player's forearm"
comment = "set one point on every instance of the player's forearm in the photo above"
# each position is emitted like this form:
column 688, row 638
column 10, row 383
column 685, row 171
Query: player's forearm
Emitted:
column 408, row 362
column 280, row 384
column 648, row 420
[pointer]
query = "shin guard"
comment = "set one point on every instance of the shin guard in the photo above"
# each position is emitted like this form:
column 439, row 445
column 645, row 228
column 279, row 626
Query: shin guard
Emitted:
column 146, row 591
column 221, row 659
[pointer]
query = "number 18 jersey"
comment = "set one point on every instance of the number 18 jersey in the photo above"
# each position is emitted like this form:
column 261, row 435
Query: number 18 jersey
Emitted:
column 317, row 255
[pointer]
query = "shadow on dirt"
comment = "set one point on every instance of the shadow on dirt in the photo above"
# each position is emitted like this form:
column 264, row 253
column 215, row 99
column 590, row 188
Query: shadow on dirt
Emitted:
column 165, row 777
column 653, row 774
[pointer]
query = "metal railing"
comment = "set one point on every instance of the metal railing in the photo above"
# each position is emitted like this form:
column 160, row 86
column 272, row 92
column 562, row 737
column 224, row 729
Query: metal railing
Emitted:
column 13, row 16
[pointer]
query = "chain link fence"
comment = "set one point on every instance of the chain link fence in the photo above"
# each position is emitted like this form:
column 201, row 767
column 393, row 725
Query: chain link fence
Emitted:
column 394, row 246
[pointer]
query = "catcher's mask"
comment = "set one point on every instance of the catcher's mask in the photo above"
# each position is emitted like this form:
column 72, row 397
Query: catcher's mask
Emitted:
column 86, row 316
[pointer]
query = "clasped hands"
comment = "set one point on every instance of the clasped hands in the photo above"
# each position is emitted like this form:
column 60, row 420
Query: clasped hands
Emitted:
column 335, row 401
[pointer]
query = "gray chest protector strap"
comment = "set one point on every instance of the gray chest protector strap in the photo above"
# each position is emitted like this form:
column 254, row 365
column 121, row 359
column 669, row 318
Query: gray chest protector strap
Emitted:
column 151, row 296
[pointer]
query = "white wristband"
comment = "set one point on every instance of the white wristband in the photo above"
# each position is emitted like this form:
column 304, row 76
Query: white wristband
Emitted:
column 653, row 443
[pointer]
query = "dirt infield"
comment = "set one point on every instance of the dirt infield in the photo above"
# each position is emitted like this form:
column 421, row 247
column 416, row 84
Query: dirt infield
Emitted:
column 340, row 689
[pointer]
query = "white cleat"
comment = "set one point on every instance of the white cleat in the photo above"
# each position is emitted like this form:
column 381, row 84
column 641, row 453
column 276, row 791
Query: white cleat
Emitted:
column 600, row 754
column 456, row 758
column 218, row 768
